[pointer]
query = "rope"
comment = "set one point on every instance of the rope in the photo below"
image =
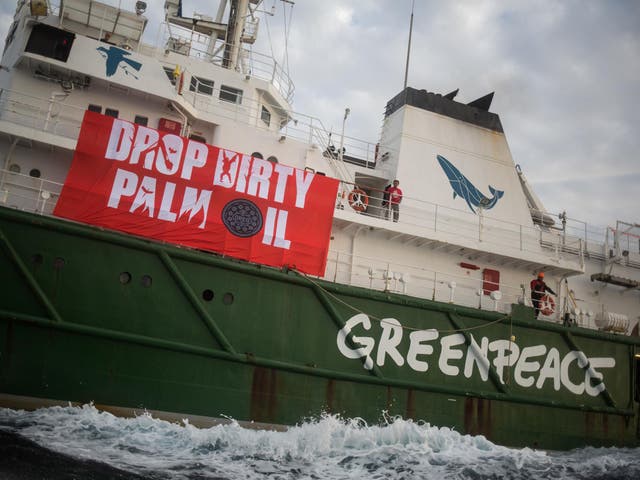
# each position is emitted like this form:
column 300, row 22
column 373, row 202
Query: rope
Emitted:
column 380, row 320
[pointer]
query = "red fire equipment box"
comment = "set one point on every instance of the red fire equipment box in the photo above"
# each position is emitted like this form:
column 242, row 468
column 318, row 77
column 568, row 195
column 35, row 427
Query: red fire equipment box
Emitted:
column 171, row 126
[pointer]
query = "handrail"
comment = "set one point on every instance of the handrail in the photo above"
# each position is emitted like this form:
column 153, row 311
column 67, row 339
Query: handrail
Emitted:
column 38, row 195
column 438, row 218
column 60, row 118
column 255, row 64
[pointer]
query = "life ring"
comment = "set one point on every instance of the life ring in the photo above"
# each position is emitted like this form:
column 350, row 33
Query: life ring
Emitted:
column 359, row 200
column 547, row 305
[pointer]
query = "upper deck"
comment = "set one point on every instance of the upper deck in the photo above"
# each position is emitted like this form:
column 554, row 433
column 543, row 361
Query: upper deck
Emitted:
column 45, row 123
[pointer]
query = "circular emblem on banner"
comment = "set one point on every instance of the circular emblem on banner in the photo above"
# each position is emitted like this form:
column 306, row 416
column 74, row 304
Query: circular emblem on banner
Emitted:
column 242, row 218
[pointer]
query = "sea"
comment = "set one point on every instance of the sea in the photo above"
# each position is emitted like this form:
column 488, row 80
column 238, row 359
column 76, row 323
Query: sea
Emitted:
column 82, row 443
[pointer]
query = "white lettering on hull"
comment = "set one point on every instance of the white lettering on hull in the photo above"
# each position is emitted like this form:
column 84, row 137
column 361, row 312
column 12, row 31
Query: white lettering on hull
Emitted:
column 532, row 366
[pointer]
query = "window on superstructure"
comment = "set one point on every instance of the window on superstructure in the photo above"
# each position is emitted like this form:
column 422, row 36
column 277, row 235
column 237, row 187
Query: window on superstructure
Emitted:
column 110, row 112
column 201, row 85
column 50, row 42
column 94, row 108
column 230, row 94
column 265, row 116
column 140, row 120
column 169, row 73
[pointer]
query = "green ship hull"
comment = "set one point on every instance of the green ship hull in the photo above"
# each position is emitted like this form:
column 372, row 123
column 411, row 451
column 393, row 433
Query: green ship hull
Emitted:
column 88, row 315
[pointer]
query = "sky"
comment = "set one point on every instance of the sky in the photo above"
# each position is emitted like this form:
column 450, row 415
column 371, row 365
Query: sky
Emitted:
column 566, row 77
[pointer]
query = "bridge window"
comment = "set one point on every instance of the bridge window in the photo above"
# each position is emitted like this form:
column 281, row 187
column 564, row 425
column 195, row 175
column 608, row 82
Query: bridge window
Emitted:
column 50, row 42
column 230, row 94
column 110, row 112
column 95, row 108
column 201, row 85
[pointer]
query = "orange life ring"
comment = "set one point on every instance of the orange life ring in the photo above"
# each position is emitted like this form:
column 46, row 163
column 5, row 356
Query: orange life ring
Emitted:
column 547, row 305
column 359, row 200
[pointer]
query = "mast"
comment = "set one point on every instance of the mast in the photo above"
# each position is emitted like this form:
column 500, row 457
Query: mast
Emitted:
column 237, row 15
column 406, row 70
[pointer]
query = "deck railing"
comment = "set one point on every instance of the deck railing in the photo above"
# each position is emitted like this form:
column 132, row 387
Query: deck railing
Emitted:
column 38, row 195
column 476, row 228
column 50, row 115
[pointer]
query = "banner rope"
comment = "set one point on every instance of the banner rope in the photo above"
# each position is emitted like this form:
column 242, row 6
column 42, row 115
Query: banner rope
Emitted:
column 381, row 320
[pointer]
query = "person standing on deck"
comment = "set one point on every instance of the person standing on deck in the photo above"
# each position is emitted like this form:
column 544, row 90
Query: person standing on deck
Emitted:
column 538, row 289
column 395, row 197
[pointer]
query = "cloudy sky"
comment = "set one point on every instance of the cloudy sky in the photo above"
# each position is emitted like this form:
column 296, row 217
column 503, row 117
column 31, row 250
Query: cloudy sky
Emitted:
column 566, row 77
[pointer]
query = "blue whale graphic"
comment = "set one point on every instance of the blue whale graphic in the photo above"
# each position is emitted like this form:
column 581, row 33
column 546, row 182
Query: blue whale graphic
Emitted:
column 115, row 57
column 463, row 187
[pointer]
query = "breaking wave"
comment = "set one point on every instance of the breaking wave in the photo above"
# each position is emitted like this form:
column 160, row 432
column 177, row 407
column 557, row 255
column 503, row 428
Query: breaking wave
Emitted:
column 329, row 447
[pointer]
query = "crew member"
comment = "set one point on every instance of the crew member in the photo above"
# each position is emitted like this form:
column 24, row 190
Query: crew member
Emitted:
column 395, row 197
column 538, row 289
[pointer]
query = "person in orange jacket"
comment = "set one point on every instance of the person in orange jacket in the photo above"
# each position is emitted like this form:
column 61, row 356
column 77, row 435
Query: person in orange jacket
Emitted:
column 538, row 289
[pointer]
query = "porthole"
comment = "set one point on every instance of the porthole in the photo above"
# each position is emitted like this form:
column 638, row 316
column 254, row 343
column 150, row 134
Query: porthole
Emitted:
column 35, row 173
column 272, row 159
column 227, row 299
column 257, row 155
column 58, row 263
column 37, row 258
column 146, row 281
column 14, row 168
column 207, row 295
column 125, row 277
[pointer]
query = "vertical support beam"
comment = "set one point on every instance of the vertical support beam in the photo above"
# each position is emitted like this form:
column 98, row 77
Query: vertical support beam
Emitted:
column 190, row 294
column 568, row 338
column 33, row 284
column 457, row 323
column 326, row 303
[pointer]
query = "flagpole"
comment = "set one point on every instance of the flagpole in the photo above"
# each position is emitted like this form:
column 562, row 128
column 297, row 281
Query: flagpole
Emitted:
column 406, row 70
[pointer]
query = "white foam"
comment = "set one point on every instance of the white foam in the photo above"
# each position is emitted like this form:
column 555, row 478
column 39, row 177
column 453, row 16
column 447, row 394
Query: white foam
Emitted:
column 327, row 447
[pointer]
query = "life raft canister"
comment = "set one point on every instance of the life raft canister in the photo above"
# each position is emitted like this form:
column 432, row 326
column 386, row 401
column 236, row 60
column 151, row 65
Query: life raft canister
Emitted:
column 359, row 200
column 547, row 305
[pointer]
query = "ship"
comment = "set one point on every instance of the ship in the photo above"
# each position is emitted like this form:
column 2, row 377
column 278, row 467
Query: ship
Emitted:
column 176, row 239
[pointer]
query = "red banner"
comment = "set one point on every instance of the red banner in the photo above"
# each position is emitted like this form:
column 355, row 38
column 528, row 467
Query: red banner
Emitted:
column 155, row 184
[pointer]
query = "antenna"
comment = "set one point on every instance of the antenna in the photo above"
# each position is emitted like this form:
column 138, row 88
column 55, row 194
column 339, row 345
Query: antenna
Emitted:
column 406, row 70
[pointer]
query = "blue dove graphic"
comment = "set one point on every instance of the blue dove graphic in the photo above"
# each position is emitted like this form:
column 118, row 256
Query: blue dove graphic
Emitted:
column 115, row 56
column 463, row 187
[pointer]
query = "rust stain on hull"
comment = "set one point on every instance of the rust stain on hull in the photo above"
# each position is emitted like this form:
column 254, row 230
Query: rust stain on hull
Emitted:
column 411, row 404
column 330, row 393
column 477, row 416
column 264, row 391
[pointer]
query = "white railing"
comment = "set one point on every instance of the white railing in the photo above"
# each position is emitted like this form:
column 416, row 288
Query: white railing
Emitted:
column 53, row 115
column 377, row 274
column 478, row 228
column 28, row 193
column 192, row 44
column 38, row 195
column 50, row 115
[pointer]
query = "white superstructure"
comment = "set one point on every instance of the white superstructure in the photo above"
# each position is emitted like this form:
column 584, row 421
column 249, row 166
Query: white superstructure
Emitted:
column 471, row 230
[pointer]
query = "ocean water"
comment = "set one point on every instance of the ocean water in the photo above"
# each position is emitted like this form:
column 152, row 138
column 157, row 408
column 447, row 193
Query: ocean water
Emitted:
column 85, row 443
